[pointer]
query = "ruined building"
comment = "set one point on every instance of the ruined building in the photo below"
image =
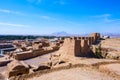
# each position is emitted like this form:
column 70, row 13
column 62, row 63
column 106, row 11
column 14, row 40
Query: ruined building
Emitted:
column 79, row 46
column 96, row 36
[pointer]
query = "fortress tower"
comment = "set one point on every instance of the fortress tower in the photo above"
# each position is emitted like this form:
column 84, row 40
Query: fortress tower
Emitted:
column 79, row 46
column 96, row 36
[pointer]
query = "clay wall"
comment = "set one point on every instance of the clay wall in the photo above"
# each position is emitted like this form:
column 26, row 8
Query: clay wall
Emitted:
column 84, row 47
column 4, row 63
column 32, row 54
column 72, row 46
column 96, row 36
column 79, row 46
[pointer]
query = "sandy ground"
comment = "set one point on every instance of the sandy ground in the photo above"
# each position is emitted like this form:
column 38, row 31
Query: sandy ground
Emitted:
column 4, row 58
column 81, row 73
column 113, row 43
column 113, row 68
column 2, row 69
column 38, row 60
column 75, row 74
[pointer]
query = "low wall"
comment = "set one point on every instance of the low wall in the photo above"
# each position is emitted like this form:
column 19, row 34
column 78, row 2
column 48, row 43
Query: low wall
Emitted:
column 33, row 54
column 6, row 46
column 42, row 72
column 67, row 66
column 4, row 63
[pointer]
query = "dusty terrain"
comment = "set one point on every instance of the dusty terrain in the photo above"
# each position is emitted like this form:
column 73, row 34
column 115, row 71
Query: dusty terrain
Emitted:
column 39, row 60
column 78, row 68
column 112, row 68
column 75, row 74
column 113, row 43
column 112, row 47
column 98, row 72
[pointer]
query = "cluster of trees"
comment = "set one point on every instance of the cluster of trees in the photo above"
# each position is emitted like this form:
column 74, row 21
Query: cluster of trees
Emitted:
column 21, row 37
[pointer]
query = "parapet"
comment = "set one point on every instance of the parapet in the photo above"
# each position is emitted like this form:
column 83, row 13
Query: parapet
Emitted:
column 74, row 38
column 84, row 43
column 82, row 38
column 78, row 38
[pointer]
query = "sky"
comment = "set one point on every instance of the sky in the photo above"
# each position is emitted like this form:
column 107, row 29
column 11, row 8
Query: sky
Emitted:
column 37, row 17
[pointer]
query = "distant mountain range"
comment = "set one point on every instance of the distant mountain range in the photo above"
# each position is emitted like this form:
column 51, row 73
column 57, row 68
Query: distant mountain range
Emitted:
column 63, row 33
column 113, row 35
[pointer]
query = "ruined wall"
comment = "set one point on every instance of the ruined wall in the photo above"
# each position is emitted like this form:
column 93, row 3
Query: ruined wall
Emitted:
column 4, row 63
column 84, row 47
column 15, row 68
column 32, row 54
column 22, row 55
column 79, row 46
column 42, row 72
column 58, row 68
column 71, row 46
column 96, row 36
column 76, row 46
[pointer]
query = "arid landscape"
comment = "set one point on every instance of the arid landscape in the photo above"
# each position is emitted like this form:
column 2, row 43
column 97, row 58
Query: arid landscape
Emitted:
column 59, row 40
column 62, row 59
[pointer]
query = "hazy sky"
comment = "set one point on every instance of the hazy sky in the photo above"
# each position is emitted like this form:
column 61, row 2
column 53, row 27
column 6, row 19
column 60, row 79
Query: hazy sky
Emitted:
column 48, row 16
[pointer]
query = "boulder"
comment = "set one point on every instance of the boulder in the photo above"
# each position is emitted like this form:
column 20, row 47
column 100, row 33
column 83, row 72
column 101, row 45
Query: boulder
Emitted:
column 42, row 67
column 16, row 68
column 113, row 55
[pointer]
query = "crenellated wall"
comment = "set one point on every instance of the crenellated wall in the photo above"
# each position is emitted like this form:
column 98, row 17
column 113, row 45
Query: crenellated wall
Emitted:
column 79, row 46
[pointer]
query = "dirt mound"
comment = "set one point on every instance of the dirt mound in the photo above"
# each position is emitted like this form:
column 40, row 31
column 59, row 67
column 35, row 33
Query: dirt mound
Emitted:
column 79, row 74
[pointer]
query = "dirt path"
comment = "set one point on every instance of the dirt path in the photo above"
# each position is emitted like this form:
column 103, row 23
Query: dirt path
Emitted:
column 38, row 60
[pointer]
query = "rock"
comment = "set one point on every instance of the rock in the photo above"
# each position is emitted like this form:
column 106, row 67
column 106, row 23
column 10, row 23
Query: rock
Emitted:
column 16, row 68
column 42, row 67
column 113, row 55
